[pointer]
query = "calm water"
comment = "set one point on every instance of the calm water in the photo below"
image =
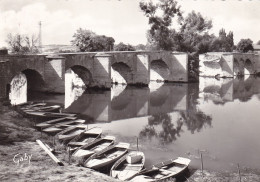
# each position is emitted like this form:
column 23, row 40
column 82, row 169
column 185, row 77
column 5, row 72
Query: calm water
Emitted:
column 219, row 118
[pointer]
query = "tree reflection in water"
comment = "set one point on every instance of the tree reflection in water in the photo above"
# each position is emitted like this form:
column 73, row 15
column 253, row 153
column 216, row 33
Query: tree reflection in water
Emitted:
column 166, row 128
column 169, row 131
column 195, row 121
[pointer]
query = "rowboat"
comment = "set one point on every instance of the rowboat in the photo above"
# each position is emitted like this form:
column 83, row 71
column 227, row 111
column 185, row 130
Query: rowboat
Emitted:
column 62, row 126
column 53, row 122
column 128, row 165
column 55, row 129
column 107, row 157
column 71, row 132
column 48, row 114
column 93, row 147
column 31, row 104
column 85, row 138
column 53, row 108
column 162, row 171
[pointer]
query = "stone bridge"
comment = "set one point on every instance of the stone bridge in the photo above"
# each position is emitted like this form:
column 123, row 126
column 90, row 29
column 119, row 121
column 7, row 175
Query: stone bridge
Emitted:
column 217, row 64
column 47, row 72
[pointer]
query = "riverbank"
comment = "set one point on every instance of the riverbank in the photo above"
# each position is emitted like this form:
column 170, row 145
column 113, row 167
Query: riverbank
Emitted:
column 22, row 159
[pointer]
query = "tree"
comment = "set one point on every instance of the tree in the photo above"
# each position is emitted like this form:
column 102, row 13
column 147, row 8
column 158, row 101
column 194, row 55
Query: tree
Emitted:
column 258, row 43
column 223, row 43
column 22, row 44
column 124, row 47
column 245, row 45
column 87, row 40
column 194, row 31
column 141, row 47
column 160, row 31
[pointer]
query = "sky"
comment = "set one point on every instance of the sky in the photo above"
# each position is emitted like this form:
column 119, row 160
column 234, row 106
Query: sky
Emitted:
column 120, row 19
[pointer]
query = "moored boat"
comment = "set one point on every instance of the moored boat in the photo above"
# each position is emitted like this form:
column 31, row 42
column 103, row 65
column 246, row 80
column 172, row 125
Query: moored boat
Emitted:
column 107, row 157
column 85, row 137
column 63, row 120
column 71, row 132
column 162, row 171
column 48, row 114
column 93, row 147
column 128, row 165
column 62, row 126
column 52, row 108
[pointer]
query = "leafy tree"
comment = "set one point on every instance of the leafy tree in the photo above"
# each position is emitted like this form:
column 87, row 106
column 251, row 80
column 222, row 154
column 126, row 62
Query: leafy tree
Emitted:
column 194, row 31
column 224, row 43
column 140, row 47
column 124, row 47
column 258, row 43
column 160, row 31
column 22, row 44
column 87, row 40
column 245, row 45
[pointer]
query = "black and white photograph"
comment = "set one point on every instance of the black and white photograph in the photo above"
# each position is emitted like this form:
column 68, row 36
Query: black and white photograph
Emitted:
column 130, row 90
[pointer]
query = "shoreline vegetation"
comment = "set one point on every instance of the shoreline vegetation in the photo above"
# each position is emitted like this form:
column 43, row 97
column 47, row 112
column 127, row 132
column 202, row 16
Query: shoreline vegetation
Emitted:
column 22, row 159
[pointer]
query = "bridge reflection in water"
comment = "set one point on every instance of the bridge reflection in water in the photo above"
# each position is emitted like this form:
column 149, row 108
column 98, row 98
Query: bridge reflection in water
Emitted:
column 219, row 117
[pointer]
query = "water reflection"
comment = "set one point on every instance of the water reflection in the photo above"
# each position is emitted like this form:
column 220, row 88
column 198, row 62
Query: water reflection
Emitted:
column 126, row 102
column 165, row 127
column 227, row 90
column 177, row 119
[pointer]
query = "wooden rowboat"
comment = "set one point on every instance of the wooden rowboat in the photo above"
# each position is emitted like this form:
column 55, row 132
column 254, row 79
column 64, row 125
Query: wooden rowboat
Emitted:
column 62, row 126
column 71, row 132
column 56, row 121
column 93, row 147
column 163, row 170
column 55, row 129
column 48, row 114
column 84, row 138
column 128, row 165
column 107, row 157
column 53, row 108
column 28, row 105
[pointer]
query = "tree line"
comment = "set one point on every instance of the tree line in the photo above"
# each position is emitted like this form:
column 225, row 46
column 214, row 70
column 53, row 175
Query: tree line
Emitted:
column 190, row 34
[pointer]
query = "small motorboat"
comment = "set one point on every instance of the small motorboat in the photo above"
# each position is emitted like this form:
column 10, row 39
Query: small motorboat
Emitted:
column 107, row 157
column 84, row 138
column 93, row 147
column 128, row 165
column 63, row 120
column 71, row 132
column 162, row 171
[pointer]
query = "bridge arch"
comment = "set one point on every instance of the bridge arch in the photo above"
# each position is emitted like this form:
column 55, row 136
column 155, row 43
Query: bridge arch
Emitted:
column 79, row 76
column 121, row 73
column 159, row 70
column 21, row 83
column 249, row 68
column 35, row 81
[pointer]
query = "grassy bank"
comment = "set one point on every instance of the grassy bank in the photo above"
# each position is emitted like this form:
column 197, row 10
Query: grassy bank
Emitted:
column 17, row 140
column 17, row 144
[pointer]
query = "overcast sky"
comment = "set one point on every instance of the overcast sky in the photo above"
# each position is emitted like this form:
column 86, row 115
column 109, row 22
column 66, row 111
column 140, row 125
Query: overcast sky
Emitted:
column 120, row 19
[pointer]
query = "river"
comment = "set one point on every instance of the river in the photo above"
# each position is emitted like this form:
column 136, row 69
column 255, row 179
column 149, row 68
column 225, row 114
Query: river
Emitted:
column 216, row 118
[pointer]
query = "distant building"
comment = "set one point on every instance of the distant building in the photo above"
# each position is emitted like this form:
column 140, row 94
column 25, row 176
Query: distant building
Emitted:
column 256, row 48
